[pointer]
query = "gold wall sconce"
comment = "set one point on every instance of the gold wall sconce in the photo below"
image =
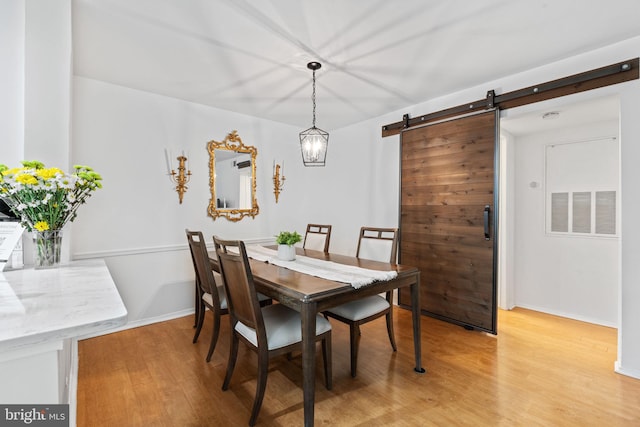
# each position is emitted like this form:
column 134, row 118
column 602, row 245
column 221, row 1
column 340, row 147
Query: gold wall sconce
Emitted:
column 278, row 179
column 180, row 178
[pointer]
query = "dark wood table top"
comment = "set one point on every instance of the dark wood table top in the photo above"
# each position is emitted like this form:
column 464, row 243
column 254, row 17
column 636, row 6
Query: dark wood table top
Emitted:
column 281, row 282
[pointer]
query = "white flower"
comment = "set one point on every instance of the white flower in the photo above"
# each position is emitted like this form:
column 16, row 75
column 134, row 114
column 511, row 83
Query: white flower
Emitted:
column 46, row 195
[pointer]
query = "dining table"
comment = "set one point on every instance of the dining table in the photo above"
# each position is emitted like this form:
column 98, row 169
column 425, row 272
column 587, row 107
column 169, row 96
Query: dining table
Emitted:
column 311, row 295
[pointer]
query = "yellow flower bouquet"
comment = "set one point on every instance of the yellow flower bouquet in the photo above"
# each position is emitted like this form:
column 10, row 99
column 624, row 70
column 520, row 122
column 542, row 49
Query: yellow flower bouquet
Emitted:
column 45, row 199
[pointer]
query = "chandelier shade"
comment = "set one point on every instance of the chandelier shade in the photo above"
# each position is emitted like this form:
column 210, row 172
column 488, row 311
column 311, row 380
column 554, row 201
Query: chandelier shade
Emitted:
column 313, row 144
column 314, row 141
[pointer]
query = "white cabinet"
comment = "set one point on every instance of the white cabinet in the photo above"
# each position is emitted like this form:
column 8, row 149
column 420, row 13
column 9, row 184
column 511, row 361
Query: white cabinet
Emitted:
column 42, row 315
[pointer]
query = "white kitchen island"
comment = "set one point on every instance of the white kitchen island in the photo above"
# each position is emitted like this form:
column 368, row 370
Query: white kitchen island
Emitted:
column 43, row 313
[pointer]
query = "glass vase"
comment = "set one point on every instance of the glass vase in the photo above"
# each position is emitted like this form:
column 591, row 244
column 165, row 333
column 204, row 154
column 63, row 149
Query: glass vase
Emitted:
column 47, row 245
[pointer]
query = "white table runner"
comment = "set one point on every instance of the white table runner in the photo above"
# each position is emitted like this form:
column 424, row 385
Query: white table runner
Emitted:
column 355, row 276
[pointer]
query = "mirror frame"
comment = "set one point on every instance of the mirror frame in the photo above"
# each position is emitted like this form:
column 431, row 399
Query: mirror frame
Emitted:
column 232, row 142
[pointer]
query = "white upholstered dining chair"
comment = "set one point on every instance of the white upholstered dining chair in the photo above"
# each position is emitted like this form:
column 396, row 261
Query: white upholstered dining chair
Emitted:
column 210, row 289
column 378, row 244
column 269, row 331
column 317, row 237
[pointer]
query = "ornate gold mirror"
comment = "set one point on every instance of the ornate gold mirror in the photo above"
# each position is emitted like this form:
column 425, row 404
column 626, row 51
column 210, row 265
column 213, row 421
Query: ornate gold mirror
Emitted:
column 232, row 178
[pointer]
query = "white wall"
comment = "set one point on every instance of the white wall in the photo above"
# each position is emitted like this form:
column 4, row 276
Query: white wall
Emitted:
column 12, row 34
column 135, row 220
column 358, row 186
column 47, row 96
column 506, row 222
column 566, row 275
column 629, row 331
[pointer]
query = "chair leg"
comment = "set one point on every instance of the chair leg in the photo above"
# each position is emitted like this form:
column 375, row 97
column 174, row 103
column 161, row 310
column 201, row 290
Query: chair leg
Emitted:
column 328, row 361
column 201, row 310
column 263, row 370
column 392, row 337
column 231, row 364
column 214, row 334
column 354, row 330
column 197, row 302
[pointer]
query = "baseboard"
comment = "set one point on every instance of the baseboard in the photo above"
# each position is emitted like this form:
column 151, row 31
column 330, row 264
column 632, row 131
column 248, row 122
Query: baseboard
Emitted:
column 143, row 322
column 569, row 316
column 633, row 373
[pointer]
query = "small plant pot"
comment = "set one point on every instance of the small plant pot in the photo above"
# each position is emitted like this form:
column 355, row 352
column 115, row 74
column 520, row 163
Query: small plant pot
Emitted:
column 286, row 252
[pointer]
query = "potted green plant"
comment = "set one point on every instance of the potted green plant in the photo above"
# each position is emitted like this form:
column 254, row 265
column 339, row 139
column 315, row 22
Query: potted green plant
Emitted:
column 285, row 241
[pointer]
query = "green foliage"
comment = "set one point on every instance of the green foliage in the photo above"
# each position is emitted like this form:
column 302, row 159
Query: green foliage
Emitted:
column 288, row 238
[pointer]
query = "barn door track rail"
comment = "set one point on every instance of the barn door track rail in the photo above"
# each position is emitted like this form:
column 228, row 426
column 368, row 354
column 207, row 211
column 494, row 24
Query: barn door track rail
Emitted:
column 593, row 79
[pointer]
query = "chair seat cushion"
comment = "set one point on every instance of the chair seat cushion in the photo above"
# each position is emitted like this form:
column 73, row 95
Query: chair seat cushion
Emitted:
column 223, row 298
column 283, row 326
column 362, row 308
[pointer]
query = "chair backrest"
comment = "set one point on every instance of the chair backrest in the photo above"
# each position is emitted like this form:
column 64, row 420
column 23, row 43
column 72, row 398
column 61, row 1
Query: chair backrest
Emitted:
column 242, row 298
column 204, row 273
column 317, row 237
column 378, row 244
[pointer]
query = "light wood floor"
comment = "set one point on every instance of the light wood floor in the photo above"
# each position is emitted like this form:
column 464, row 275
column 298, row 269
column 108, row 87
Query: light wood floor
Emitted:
column 541, row 370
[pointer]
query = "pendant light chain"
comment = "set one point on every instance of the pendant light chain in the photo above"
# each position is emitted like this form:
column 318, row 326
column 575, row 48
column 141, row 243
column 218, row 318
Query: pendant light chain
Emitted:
column 313, row 98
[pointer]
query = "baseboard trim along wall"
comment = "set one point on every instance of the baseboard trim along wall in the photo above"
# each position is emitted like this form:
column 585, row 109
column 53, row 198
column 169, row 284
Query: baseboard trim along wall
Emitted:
column 628, row 372
column 572, row 316
column 143, row 322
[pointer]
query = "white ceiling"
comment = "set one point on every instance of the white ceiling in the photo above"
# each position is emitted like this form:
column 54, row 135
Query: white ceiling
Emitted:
column 377, row 55
column 563, row 116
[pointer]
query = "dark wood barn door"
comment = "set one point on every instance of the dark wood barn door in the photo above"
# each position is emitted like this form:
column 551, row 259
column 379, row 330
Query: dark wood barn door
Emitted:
column 448, row 217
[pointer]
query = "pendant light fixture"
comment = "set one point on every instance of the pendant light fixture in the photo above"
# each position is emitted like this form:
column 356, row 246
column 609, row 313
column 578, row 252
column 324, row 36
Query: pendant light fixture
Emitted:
column 314, row 141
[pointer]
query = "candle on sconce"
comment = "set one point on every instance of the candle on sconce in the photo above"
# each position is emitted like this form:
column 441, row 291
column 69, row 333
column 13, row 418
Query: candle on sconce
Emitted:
column 167, row 157
column 282, row 169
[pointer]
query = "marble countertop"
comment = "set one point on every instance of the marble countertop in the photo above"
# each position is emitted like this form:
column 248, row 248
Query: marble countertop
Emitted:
column 76, row 299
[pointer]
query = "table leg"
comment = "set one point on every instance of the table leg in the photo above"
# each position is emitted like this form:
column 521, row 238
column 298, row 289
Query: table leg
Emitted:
column 308, row 314
column 415, row 310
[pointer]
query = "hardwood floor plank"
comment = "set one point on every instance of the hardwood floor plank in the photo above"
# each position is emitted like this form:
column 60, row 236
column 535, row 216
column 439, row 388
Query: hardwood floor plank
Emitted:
column 540, row 370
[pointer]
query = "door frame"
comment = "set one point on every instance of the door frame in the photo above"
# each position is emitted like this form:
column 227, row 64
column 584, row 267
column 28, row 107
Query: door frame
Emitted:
column 508, row 255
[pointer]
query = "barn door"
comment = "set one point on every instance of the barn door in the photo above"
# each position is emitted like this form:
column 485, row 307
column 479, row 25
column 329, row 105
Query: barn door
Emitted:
column 448, row 217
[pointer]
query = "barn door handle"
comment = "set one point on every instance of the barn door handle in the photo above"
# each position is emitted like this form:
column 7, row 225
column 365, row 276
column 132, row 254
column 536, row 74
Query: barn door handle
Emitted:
column 487, row 211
